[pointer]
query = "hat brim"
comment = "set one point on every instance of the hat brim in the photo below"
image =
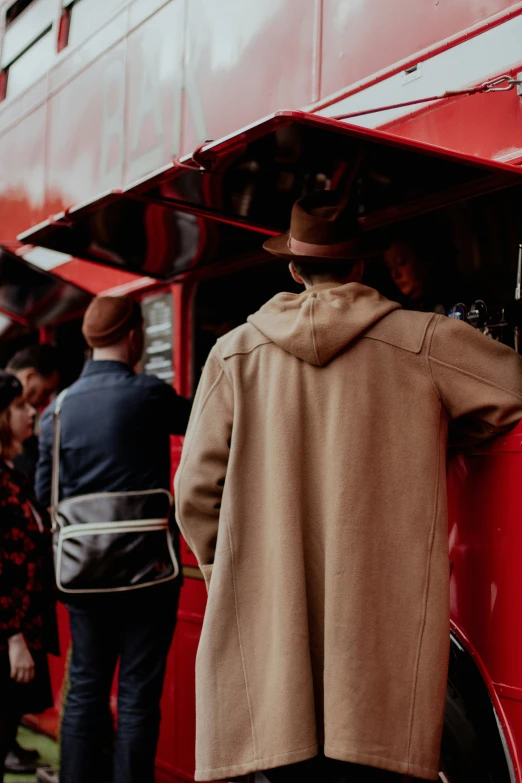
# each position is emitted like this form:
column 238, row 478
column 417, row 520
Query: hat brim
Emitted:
column 368, row 247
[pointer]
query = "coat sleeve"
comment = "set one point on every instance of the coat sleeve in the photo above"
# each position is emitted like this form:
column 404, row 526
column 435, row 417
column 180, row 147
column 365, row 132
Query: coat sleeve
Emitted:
column 200, row 478
column 15, row 562
column 44, row 467
column 479, row 381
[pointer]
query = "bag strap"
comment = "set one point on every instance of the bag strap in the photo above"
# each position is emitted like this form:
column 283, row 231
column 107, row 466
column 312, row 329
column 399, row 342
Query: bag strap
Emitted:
column 55, row 474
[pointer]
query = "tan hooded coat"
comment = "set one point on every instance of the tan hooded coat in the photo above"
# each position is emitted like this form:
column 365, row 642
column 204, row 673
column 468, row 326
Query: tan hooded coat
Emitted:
column 312, row 487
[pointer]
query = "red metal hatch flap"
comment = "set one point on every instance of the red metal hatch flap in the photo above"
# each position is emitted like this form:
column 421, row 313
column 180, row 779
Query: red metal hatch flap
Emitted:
column 34, row 297
column 257, row 173
column 199, row 209
column 139, row 234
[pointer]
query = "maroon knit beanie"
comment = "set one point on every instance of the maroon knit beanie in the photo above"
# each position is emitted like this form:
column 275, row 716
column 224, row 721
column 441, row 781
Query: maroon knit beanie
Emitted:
column 108, row 319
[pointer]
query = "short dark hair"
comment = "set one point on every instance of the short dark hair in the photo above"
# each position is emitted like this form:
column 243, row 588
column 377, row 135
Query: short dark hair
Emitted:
column 330, row 268
column 41, row 358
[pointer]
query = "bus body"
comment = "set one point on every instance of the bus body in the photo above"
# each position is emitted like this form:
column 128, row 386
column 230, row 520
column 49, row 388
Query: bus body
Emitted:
column 104, row 101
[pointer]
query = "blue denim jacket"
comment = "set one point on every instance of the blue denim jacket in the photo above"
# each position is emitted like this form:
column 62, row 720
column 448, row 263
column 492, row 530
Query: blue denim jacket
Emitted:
column 115, row 428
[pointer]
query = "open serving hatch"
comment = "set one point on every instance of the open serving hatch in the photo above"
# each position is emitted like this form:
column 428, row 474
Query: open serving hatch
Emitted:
column 32, row 297
column 130, row 231
column 219, row 201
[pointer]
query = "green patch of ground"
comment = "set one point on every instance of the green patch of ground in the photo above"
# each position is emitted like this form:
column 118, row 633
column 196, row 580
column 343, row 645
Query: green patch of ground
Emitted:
column 46, row 747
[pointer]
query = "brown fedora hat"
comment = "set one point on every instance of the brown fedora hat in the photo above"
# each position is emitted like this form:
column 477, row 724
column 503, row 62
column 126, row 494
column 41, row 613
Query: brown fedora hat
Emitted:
column 324, row 226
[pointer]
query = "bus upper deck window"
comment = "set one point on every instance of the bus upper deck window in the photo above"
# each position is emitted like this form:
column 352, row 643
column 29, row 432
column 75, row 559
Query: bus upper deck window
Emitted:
column 28, row 47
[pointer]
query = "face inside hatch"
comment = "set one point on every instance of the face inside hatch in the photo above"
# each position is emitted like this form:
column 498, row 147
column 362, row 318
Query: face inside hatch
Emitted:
column 421, row 263
column 408, row 271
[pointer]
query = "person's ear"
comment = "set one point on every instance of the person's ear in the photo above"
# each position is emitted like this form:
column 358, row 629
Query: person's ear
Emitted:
column 295, row 274
column 136, row 343
column 130, row 343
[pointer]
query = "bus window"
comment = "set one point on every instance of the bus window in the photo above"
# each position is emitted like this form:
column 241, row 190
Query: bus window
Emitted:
column 28, row 47
column 85, row 16
column 14, row 10
column 27, row 68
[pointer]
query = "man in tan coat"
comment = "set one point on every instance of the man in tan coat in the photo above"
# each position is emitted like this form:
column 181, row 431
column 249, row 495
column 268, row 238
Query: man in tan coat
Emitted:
column 312, row 490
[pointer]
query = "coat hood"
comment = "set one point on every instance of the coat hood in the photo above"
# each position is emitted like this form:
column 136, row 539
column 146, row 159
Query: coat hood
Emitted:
column 321, row 322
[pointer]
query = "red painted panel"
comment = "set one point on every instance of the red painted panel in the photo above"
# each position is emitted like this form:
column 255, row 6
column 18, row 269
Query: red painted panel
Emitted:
column 487, row 125
column 57, row 664
column 22, row 161
column 155, row 58
column 187, row 555
column 176, row 445
column 485, row 542
column 93, row 277
column 176, row 750
column 361, row 37
column 86, row 132
column 244, row 60
column 49, row 721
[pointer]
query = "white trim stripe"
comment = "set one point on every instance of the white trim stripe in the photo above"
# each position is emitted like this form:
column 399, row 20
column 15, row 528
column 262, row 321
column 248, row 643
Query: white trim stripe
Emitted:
column 127, row 526
column 469, row 63
column 45, row 259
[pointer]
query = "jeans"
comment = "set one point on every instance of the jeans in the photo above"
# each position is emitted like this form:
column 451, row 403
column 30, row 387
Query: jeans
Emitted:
column 135, row 628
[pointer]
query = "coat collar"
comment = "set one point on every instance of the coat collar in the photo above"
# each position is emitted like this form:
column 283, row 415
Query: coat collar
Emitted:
column 322, row 287
column 104, row 366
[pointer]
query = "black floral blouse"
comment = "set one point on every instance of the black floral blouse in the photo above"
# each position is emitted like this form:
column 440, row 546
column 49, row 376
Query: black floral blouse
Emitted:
column 27, row 601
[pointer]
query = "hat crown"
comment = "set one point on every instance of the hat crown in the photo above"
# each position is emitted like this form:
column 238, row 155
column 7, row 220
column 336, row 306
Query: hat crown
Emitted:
column 324, row 225
column 323, row 218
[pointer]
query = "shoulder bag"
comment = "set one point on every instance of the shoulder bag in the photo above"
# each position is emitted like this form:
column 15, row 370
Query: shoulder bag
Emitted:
column 109, row 542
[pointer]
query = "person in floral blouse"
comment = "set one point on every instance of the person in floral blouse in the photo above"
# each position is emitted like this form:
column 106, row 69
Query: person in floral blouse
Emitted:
column 27, row 603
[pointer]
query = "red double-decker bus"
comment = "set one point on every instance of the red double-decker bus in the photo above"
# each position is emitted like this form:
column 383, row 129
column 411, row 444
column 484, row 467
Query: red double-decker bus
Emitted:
column 110, row 183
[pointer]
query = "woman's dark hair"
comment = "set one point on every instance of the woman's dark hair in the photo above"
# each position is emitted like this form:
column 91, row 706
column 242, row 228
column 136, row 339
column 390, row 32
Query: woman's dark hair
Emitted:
column 6, row 435
column 41, row 358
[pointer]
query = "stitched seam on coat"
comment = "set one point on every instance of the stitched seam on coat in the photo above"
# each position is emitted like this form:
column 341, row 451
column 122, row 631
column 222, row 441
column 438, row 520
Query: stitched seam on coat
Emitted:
column 402, row 347
column 245, row 351
column 187, row 452
column 429, row 363
column 476, row 378
column 426, row 596
column 312, row 300
column 221, row 360
column 229, row 530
